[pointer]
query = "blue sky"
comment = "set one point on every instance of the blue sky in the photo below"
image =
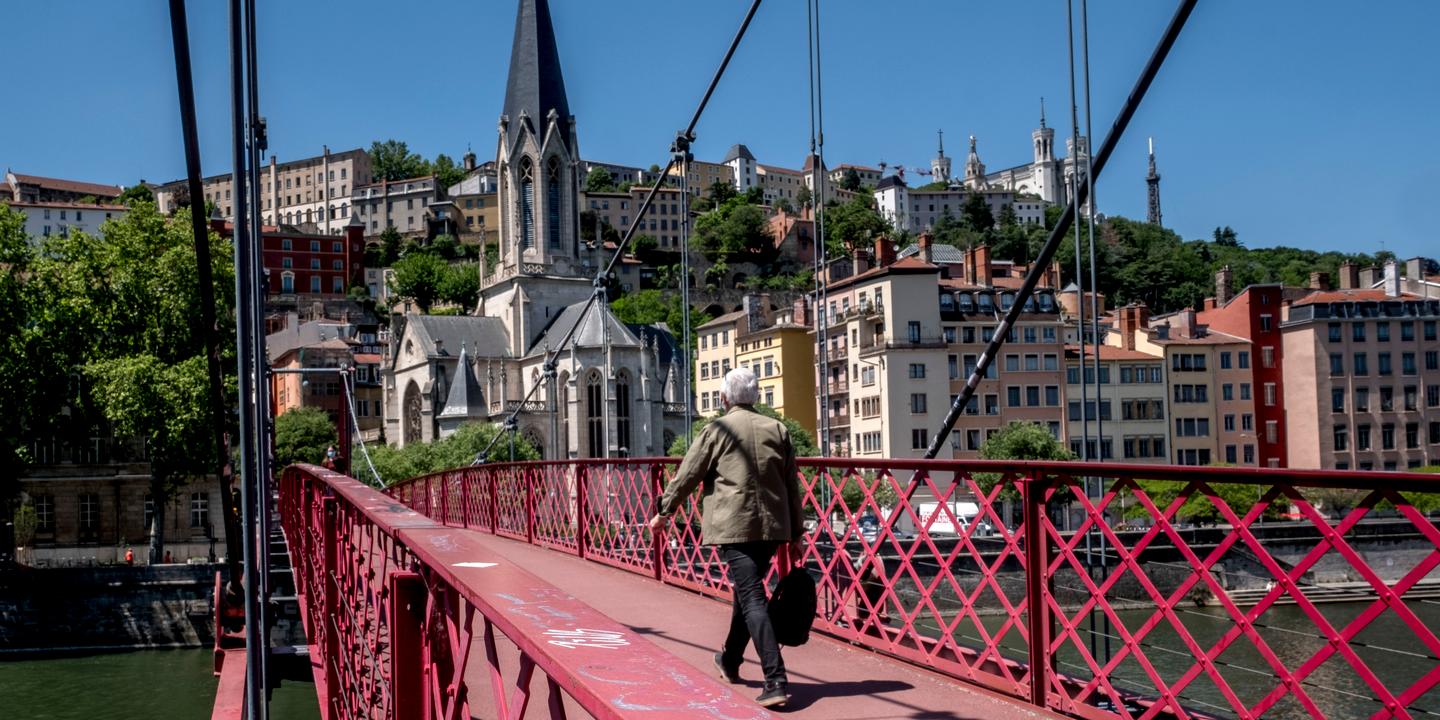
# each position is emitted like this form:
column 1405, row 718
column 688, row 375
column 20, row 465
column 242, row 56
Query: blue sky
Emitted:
column 1301, row 123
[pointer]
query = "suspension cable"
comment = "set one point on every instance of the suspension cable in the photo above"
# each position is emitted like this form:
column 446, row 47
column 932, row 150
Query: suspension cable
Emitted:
column 682, row 143
column 1062, row 227
column 817, row 214
column 1073, row 185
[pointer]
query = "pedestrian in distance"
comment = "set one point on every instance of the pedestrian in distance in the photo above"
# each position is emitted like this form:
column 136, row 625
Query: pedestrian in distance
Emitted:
column 129, row 556
column 751, row 506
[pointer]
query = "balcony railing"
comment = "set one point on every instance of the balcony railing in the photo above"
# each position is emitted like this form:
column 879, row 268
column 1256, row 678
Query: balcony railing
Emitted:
column 908, row 342
column 1096, row 590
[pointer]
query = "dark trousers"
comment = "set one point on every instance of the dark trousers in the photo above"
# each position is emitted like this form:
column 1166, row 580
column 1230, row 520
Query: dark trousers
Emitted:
column 749, row 620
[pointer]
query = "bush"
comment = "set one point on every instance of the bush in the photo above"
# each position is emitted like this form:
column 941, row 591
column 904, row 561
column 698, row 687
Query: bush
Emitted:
column 301, row 435
column 396, row 465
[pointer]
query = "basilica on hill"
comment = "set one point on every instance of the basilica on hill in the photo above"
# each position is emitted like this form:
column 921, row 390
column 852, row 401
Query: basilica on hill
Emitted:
column 618, row 389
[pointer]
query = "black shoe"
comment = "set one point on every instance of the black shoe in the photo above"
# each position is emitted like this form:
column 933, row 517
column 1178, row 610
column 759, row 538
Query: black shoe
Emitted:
column 729, row 675
column 775, row 695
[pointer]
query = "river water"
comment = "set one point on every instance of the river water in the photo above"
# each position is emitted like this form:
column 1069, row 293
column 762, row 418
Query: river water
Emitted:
column 170, row 684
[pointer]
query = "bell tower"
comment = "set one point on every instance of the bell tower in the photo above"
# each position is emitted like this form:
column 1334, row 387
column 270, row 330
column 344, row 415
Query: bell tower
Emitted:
column 940, row 166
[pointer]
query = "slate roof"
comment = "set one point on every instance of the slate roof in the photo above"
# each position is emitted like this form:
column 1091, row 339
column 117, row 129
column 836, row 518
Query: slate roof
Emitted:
column 940, row 253
column 738, row 151
column 889, row 181
column 307, row 334
column 599, row 323
column 465, row 399
column 75, row 186
column 456, row 332
column 535, row 85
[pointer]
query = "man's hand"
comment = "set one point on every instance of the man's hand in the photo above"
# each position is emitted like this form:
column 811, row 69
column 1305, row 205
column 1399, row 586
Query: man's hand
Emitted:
column 659, row 523
column 797, row 547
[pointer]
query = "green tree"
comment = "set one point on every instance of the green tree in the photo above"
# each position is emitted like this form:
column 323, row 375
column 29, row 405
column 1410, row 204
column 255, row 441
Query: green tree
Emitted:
column 856, row 223
column 733, row 229
column 26, row 359
column 419, row 276
column 165, row 405
column 803, row 198
column 599, row 181
column 139, row 192
column 1019, row 441
column 975, row 213
column 302, row 435
column 25, row 521
column 783, row 205
column 395, row 465
column 850, row 180
column 390, row 245
column 460, row 285
column 445, row 246
column 1007, row 216
column 392, row 160
column 1226, row 237
column 446, row 171
column 721, row 192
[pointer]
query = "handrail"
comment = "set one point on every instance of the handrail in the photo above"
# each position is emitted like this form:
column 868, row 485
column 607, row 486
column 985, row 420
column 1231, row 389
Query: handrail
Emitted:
column 1007, row 575
column 392, row 601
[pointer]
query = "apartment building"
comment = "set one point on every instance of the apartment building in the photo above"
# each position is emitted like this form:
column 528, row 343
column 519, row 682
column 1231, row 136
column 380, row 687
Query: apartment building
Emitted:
column 476, row 200
column 1124, row 403
column 1254, row 315
column 715, row 356
column 919, row 210
column 401, row 204
column 619, row 174
column 20, row 188
column 618, row 209
column 1363, row 378
column 779, row 183
column 869, row 176
column 311, row 194
column 703, row 175
column 298, row 263
column 772, row 343
column 46, row 218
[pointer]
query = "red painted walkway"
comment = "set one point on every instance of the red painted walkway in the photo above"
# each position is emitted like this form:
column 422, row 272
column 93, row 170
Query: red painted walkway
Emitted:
column 828, row 679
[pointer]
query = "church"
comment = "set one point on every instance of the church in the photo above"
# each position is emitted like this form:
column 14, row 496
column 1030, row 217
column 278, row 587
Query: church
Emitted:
column 617, row 389
column 1045, row 176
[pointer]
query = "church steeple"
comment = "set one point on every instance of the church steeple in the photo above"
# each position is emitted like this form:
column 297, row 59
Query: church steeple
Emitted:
column 1153, row 181
column 535, row 86
column 974, row 169
column 940, row 166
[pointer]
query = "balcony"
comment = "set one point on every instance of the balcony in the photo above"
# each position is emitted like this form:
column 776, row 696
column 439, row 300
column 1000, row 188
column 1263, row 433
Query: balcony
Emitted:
column 910, row 342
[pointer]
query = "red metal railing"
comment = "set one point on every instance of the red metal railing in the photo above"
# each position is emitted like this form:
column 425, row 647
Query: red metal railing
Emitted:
column 392, row 601
column 1164, row 592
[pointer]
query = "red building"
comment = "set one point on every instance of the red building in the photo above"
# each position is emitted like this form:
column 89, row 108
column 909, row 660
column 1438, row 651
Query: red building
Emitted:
column 302, row 264
column 1254, row 315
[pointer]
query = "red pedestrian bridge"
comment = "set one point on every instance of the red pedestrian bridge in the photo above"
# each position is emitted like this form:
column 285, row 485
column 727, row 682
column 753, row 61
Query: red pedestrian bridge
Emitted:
column 948, row 589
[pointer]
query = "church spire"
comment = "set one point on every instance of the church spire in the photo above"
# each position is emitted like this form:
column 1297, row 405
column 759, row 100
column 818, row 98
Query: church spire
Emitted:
column 1042, row 112
column 1153, row 181
column 974, row 169
column 940, row 166
column 535, row 86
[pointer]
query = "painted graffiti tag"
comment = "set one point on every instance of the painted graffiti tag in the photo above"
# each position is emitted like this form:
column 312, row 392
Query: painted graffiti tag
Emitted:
column 582, row 637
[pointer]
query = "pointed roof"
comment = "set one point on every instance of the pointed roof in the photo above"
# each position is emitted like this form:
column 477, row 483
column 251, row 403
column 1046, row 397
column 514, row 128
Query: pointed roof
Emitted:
column 465, row 399
column 535, row 86
column 600, row 325
column 738, row 151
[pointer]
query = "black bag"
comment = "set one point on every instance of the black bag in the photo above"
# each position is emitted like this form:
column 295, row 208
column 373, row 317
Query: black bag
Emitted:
column 792, row 608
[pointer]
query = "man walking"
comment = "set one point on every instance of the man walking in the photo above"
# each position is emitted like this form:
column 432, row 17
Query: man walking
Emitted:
column 751, row 506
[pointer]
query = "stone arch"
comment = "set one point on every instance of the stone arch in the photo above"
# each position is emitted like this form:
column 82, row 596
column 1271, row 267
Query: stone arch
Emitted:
column 410, row 418
column 525, row 202
column 536, row 439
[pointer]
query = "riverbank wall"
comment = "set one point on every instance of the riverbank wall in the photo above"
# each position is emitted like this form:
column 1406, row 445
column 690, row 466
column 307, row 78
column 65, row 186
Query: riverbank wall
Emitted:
column 105, row 608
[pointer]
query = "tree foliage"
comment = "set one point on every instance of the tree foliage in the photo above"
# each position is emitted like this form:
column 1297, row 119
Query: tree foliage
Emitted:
column 446, row 171
column 853, row 224
column 458, row 450
column 139, row 192
column 419, row 276
column 734, row 230
column 850, row 180
column 599, row 180
column 1019, row 441
column 302, row 434
column 392, row 160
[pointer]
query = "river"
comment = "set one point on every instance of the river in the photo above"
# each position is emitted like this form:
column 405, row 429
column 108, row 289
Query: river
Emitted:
column 170, row 684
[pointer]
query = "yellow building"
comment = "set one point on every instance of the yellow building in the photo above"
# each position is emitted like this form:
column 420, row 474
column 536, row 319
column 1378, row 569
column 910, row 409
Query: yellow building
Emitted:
column 773, row 352
column 703, row 175
column 715, row 357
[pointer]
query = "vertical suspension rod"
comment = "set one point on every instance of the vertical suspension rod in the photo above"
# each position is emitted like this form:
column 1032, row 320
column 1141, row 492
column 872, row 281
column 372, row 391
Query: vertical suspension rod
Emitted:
column 1062, row 226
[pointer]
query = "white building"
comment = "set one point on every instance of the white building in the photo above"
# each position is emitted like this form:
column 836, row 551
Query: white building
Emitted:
column 743, row 167
column 918, row 210
column 43, row 219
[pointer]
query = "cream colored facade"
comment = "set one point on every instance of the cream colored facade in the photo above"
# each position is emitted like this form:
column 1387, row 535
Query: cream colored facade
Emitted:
column 703, row 175
column 778, row 183
column 1133, row 425
column 715, row 357
column 312, row 194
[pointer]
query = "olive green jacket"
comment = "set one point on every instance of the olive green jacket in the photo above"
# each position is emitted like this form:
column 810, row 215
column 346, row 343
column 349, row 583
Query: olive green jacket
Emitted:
column 751, row 485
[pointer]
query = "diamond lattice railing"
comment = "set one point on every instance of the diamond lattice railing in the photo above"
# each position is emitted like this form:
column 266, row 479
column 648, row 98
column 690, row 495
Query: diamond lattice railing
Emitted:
column 1098, row 590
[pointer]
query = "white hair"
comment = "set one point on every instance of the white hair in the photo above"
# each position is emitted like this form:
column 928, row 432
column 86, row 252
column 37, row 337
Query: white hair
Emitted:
column 740, row 387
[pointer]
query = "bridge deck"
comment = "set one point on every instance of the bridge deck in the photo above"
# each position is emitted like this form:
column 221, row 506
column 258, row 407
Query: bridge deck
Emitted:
column 828, row 679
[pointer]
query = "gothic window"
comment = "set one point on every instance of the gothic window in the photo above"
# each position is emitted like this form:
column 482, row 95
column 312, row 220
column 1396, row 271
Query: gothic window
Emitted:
column 412, row 414
column 552, row 202
column 562, row 443
column 622, row 411
column 527, row 203
column 595, row 413
column 536, row 440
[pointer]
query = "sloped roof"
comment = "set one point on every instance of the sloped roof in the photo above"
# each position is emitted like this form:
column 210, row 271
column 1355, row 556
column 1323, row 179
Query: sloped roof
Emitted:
column 535, row 86
column 941, row 253
column 308, row 334
column 890, row 181
column 465, row 399
column 738, row 151
column 1359, row 295
column 75, row 186
column 455, row 332
column 599, row 326
column 725, row 319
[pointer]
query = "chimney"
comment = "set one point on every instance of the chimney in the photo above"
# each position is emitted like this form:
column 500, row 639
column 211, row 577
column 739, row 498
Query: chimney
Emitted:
column 1162, row 332
column 1319, row 281
column 1129, row 319
column 1142, row 316
column 1368, row 277
column 981, row 265
column 1187, row 321
column 1051, row 278
column 325, row 149
column 439, row 346
column 1209, row 304
column 801, row 311
column 1392, row 279
column 861, row 260
column 1349, row 276
column 1415, row 269
column 1224, row 286
column 884, row 252
column 927, row 252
